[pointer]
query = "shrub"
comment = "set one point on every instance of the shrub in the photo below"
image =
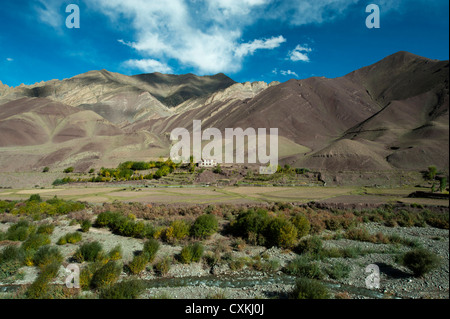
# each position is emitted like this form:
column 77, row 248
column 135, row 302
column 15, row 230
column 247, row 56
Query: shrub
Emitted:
column 46, row 169
column 46, row 229
column 73, row 238
column 359, row 234
column 9, row 268
column 35, row 198
column 281, row 232
column 125, row 226
column 338, row 271
column 69, row 170
column 302, row 224
column 130, row 289
column 420, row 261
column 47, row 255
column 163, row 266
column 35, row 241
column 85, row 226
column 19, row 231
column 251, row 221
column 62, row 241
column 303, row 267
column 12, row 253
column 106, row 275
column 105, row 219
column 87, row 273
column 151, row 247
column 312, row 245
column 39, row 289
column 138, row 264
column 177, row 231
column 309, row 289
column 204, row 226
column 116, row 253
column 191, row 253
column 88, row 252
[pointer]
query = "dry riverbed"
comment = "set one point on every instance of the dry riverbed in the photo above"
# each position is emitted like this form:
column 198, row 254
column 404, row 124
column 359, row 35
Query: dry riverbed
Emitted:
column 218, row 280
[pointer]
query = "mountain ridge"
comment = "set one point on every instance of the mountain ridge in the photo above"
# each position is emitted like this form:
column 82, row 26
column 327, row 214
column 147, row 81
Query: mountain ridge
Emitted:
column 390, row 115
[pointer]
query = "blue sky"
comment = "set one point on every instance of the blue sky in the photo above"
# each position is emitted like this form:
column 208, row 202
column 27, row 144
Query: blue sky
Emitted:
column 249, row 40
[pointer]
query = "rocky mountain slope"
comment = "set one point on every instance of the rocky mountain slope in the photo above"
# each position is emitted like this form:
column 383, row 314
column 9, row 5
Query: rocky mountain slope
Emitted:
column 390, row 115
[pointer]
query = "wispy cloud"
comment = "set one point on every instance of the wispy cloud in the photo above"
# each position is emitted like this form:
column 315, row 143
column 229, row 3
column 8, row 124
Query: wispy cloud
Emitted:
column 288, row 73
column 300, row 53
column 250, row 47
column 9, row 59
column 284, row 72
column 48, row 12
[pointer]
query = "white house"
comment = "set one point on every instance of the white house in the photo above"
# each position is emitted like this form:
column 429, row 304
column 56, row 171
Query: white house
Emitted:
column 207, row 163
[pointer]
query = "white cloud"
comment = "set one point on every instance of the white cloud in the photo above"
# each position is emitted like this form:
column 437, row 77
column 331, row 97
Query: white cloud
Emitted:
column 300, row 53
column 9, row 59
column 148, row 66
column 288, row 73
column 204, row 35
column 250, row 47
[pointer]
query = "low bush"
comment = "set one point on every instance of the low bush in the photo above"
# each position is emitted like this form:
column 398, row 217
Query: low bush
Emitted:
column 178, row 230
column 204, row 226
column 304, row 267
column 302, row 224
column 47, row 255
column 8, row 268
column 250, row 221
column 151, row 248
column 309, row 289
column 85, row 226
column 12, row 252
column 312, row 246
column 138, row 264
column 35, row 198
column 89, row 252
column 130, row 289
column 35, row 241
column 191, row 253
column 106, row 275
column 360, row 234
column 124, row 226
column 338, row 271
column 116, row 253
column 163, row 266
column 87, row 273
column 420, row 261
column 20, row 231
column 46, row 229
column 40, row 288
column 281, row 232
column 71, row 238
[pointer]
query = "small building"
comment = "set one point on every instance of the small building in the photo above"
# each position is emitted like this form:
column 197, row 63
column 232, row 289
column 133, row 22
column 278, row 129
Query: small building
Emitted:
column 207, row 163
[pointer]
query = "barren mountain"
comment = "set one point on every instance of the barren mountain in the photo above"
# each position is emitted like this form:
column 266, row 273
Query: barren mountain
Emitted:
column 387, row 116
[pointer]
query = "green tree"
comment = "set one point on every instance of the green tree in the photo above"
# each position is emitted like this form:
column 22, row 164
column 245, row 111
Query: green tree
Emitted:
column 69, row 170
